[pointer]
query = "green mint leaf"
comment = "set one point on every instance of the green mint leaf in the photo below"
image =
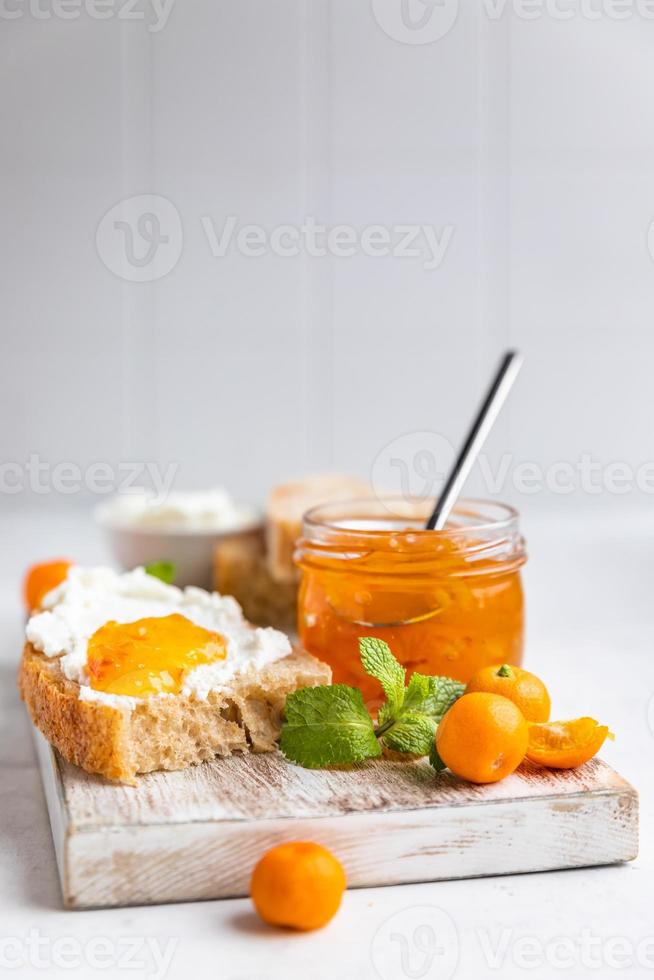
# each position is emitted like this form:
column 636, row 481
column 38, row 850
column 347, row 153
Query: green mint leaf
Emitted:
column 164, row 570
column 448, row 691
column 432, row 696
column 413, row 734
column 413, row 727
column 327, row 726
column 385, row 715
column 379, row 662
column 422, row 694
column 435, row 759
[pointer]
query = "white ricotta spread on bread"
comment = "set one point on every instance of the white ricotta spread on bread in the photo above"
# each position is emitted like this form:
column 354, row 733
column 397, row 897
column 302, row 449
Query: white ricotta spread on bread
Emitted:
column 91, row 597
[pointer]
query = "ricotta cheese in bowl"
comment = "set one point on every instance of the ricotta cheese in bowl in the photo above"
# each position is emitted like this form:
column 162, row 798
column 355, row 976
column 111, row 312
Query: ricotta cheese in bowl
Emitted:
column 196, row 510
column 183, row 527
column 164, row 640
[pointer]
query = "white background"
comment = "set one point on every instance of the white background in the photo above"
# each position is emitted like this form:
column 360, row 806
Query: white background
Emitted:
column 534, row 139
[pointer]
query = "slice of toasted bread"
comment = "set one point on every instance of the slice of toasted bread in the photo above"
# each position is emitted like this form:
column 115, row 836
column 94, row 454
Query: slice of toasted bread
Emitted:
column 162, row 732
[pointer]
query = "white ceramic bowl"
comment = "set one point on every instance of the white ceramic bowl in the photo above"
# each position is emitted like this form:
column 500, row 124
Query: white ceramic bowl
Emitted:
column 191, row 550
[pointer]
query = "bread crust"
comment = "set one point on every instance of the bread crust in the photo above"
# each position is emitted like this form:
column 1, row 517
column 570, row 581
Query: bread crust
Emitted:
column 161, row 733
column 92, row 736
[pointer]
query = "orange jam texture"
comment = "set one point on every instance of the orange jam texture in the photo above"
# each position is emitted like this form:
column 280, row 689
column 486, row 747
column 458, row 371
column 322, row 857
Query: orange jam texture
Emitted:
column 150, row 656
column 439, row 612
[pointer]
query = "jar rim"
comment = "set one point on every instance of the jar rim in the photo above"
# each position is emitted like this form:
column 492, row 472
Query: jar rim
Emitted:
column 319, row 517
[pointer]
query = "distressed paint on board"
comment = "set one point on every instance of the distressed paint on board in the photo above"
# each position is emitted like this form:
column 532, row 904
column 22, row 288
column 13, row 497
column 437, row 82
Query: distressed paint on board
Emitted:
column 196, row 834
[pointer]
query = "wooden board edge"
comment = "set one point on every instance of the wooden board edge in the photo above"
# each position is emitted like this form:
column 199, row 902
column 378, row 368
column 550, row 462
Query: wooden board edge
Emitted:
column 378, row 849
column 84, row 886
column 55, row 798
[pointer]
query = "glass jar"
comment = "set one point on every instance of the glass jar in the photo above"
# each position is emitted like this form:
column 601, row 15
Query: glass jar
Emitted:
column 447, row 602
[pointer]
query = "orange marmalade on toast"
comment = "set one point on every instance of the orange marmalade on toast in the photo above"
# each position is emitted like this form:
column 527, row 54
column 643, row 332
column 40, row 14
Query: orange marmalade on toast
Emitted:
column 150, row 656
column 447, row 602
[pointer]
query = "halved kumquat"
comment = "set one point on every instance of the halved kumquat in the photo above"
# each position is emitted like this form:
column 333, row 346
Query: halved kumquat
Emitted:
column 566, row 744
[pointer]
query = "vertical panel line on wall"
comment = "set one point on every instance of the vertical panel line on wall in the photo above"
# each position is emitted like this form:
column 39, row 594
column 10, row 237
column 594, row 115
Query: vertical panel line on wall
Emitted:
column 316, row 274
column 494, row 200
column 138, row 177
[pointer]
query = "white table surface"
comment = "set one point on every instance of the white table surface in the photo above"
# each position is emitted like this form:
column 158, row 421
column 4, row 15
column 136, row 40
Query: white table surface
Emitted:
column 590, row 593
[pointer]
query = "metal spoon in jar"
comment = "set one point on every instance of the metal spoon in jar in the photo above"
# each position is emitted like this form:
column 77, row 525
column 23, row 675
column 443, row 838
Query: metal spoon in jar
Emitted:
column 483, row 423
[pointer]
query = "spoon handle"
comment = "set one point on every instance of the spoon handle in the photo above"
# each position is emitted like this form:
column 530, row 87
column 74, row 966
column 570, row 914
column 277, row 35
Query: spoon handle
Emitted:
column 483, row 423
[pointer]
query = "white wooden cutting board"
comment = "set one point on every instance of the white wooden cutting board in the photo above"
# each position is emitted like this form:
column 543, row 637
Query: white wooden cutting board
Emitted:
column 197, row 834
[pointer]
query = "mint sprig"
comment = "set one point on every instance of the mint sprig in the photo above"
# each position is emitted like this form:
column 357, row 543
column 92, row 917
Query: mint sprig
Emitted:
column 327, row 726
column 163, row 570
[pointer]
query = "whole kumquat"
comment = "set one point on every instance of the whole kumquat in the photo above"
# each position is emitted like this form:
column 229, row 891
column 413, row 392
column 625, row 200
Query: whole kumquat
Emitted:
column 298, row 885
column 518, row 685
column 483, row 737
column 41, row 578
column 566, row 744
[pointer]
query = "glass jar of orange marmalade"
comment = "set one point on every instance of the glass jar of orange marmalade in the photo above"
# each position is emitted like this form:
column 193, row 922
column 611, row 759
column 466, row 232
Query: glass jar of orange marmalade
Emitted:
column 447, row 602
